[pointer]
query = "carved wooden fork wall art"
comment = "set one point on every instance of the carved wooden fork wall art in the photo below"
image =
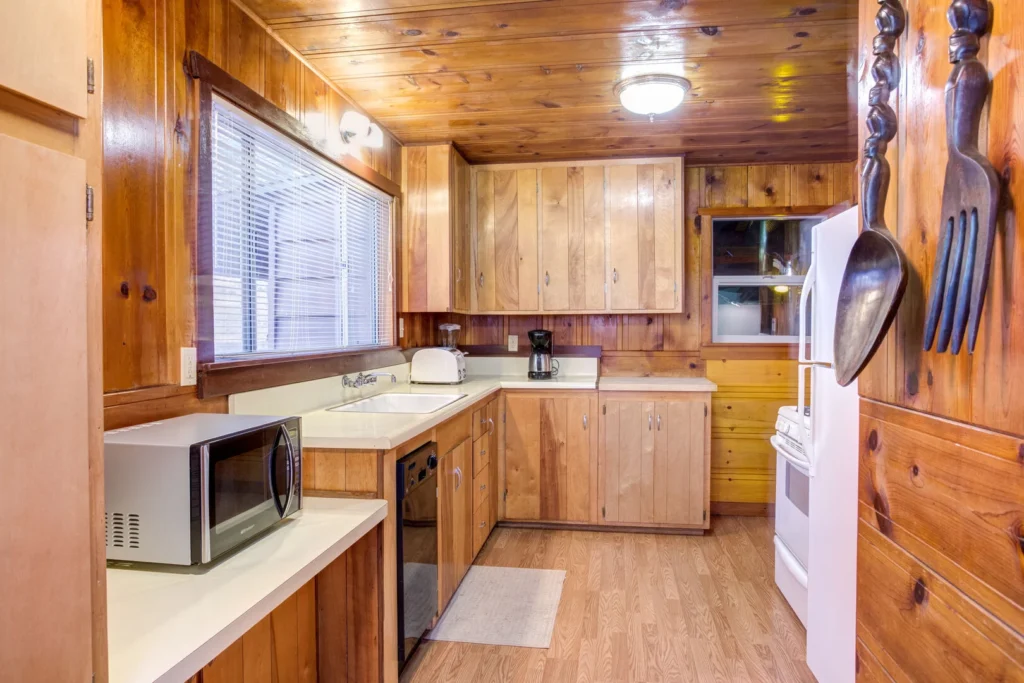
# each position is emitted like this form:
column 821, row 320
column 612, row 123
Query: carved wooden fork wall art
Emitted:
column 970, row 197
column 876, row 271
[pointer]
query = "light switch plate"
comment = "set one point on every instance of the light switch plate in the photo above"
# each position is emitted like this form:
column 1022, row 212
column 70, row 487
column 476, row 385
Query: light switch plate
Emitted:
column 513, row 343
column 189, row 373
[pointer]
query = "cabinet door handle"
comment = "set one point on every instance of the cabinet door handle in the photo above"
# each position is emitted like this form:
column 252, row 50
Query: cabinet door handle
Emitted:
column 458, row 274
column 547, row 278
column 483, row 451
column 481, row 280
column 584, row 420
column 483, row 487
column 458, row 473
column 659, row 422
column 482, row 524
column 650, row 421
column 490, row 421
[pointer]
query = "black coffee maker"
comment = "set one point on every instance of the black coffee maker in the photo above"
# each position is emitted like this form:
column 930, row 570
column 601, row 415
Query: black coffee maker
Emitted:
column 540, row 360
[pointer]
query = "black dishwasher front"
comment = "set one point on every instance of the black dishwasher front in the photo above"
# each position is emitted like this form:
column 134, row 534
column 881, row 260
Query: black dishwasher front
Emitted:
column 417, row 547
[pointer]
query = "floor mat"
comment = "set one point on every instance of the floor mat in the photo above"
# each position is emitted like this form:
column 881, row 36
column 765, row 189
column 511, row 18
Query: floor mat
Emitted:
column 503, row 606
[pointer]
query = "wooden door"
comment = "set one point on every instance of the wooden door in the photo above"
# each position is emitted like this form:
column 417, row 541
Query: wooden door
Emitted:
column 581, row 447
column 628, row 440
column 679, row 478
column 522, row 457
column 43, row 52
column 657, row 201
column 587, row 253
column 461, row 236
column 623, row 233
column 446, row 531
column 462, row 510
column 555, row 239
column 45, row 589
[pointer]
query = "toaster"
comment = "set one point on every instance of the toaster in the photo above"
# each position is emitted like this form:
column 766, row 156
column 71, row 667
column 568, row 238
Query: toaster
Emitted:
column 438, row 366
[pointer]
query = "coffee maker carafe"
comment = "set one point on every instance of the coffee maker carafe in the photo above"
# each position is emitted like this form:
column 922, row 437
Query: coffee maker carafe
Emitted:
column 540, row 359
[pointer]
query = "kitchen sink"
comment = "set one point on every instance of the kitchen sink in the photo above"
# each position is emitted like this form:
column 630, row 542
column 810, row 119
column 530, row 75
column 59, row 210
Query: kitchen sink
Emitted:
column 399, row 403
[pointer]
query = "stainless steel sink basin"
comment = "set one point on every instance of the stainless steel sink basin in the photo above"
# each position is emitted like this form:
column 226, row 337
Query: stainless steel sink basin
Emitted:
column 399, row 403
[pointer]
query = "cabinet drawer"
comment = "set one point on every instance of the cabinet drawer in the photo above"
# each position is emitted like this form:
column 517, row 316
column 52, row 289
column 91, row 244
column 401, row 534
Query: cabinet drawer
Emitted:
column 484, row 419
column 481, row 526
column 481, row 487
column 453, row 432
column 482, row 450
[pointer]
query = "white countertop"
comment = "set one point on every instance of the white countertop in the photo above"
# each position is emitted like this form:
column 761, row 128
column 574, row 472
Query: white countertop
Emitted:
column 694, row 384
column 164, row 627
column 322, row 428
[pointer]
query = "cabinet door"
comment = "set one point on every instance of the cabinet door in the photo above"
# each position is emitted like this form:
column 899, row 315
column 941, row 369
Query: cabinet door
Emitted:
column 581, row 436
column 43, row 53
column 461, row 236
column 555, row 238
column 623, row 237
column 428, row 244
column 462, row 509
column 657, row 197
column 627, row 438
column 46, row 619
column 446, row 531
column 680, row 479
column 587, row 267
column 483, row 242
column 522, row 457
column 506, row 241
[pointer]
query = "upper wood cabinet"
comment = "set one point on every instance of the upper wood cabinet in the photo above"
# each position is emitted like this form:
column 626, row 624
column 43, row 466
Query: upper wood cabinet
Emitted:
column 435, row 249
column 43, row 52
column 654, row 459
column 505, row 241
column 578, row 237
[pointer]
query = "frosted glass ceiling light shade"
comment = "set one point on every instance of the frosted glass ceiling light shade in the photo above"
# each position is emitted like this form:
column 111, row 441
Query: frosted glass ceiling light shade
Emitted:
column 652, row 94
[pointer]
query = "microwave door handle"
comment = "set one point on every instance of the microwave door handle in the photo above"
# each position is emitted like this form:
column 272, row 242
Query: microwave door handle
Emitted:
column 290, row 469
column 272, row 471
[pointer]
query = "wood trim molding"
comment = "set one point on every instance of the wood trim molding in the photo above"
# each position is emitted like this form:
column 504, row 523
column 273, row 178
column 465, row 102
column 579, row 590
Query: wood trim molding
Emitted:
column 215, row 79
column 525, row 350
column 595, row 161
column 233, row 377
column 749, row 351
column 763, row 212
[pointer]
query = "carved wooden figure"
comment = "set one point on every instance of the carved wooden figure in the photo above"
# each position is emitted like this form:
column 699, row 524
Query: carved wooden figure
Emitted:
column 970, row 197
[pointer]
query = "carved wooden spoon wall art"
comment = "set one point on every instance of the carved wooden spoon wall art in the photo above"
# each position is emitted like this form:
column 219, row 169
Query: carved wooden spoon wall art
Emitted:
column 970, row 197
column 876, row 272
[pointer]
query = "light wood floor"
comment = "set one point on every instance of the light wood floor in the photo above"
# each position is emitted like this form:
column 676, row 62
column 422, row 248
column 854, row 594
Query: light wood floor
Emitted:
column 641, row 608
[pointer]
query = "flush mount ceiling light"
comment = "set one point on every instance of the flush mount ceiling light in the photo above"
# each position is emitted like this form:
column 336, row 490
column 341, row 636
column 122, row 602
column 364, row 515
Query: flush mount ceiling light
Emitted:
column 652, row 94
column 357, row 130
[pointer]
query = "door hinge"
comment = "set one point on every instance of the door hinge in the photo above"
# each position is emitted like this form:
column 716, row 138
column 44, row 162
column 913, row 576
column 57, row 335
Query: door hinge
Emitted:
column 90, row 76
column 89, row 204
column 504, row 496
column 604, row 513
column 604, row 410
column 705, row 515
column 705, row 410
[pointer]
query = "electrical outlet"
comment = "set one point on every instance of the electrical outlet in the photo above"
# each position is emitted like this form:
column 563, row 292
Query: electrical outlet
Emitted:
column 401, row 328
column 513, row 343
column 188, row 366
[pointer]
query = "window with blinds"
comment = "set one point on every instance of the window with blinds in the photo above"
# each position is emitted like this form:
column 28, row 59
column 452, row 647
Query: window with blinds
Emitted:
column 301, row 247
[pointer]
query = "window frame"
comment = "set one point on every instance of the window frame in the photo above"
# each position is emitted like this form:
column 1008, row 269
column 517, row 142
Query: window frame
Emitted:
column 228, row 376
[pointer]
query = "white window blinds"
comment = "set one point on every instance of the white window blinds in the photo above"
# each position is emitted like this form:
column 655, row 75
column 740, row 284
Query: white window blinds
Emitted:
column 302, row 248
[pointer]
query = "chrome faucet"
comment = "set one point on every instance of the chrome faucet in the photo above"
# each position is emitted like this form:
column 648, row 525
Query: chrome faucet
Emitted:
column 362, row 379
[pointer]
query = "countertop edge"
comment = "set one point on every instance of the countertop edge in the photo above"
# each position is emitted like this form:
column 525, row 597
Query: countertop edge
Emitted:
column 203, row 655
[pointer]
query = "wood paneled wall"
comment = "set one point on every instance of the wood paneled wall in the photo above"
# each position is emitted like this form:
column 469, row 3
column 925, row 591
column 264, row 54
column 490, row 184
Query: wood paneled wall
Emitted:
column 752, row 385
column 148, row 216
column 942, row 436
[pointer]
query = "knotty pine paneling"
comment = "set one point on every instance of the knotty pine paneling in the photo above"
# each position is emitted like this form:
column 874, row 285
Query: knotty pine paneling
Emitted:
column 752, row 387
column 148, row 211
column 941, row 442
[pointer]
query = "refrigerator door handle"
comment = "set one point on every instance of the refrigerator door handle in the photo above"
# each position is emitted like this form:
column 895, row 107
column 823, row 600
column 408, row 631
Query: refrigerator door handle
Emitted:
column 806, row 435
column 805, row 295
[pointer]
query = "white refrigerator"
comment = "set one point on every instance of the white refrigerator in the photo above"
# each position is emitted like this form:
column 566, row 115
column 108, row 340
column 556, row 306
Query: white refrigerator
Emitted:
column 830, row 440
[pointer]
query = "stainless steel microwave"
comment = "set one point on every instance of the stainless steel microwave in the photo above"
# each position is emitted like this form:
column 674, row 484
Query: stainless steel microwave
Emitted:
column 187, row 490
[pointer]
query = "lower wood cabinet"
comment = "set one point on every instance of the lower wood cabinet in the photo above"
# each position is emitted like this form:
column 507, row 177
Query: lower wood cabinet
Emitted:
column 654, row 461
column 550, row 456
column 454, row 520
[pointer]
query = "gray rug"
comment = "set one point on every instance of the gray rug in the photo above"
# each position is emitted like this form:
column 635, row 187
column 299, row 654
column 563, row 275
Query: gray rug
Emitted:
column 503, row 606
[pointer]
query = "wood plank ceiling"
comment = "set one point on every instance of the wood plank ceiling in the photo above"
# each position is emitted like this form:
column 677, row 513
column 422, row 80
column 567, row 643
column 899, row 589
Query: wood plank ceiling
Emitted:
column 773, row 80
